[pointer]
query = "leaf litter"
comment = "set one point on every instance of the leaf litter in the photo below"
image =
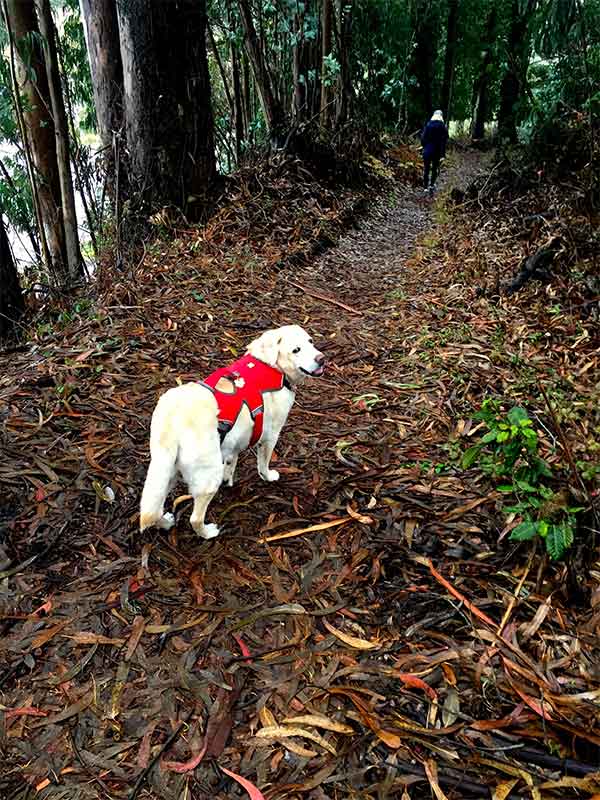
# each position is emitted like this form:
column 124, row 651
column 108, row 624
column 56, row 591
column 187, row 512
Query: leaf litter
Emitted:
column 363, row 605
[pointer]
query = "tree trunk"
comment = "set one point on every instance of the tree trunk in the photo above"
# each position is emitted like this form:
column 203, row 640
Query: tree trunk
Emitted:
column 246, row 94
column 421, row 103
column 345, row 92
column 61, row 131
column 298, row 65
column 11, row 298
column 326, row 15
column 167, row 99
column 511, row 88
column 221, row 68
column 39, row 129
column 238, row 113
column 272, row 109
column 139, row 87
column 449, row 58
column 101, row 28
column 482, row 83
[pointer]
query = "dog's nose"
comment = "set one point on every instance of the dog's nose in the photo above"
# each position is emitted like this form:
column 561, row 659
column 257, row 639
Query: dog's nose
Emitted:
column 320, row 359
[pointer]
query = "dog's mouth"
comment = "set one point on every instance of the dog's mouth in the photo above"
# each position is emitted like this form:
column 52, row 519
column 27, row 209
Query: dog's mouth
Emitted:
column 316, row 373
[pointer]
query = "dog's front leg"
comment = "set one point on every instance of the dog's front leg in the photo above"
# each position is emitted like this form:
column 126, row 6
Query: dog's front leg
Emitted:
column 264, row 452
column 229, row 465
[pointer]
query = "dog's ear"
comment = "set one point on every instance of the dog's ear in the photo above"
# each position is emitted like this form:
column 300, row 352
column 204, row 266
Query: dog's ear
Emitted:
column 266, row 347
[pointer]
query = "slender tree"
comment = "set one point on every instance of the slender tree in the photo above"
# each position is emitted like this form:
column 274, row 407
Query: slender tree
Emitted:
column 271, row 106
column 450, row 57
column 238, row 105
column 344, row 32
column 61, row 132
column 518, row 51
column 32, row 79
column 424, row 63
column 481, row 89
column 300, row 77
column 326, row 42
column 101, row 27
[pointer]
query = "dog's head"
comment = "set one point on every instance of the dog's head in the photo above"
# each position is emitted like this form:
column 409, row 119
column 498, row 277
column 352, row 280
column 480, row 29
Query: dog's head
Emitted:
column 291, row 350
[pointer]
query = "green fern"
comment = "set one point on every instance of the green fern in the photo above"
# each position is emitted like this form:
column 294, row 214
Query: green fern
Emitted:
column 559, row 539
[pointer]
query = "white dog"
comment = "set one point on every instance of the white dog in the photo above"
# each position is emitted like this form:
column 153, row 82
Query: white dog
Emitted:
column 199, row 429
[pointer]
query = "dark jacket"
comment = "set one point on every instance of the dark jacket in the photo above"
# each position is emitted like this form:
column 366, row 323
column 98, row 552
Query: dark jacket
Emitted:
column 434, row 138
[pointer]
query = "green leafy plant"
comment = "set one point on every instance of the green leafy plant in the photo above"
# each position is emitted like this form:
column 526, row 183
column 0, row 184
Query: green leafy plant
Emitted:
column 509, row 452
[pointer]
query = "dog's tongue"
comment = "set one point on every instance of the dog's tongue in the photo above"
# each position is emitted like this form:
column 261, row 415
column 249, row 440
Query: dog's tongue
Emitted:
column 319, row 371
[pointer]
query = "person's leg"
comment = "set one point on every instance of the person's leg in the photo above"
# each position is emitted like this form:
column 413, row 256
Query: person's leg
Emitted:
column 435, row 169
column 427, row 167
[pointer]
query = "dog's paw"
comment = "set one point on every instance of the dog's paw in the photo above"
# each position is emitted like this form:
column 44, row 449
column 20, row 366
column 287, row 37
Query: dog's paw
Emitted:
column 167, row 521
column 209, row 531
column 270, row 476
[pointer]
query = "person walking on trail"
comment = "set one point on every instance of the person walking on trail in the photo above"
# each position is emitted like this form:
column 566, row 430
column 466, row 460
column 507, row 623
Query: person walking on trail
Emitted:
column 433, row 139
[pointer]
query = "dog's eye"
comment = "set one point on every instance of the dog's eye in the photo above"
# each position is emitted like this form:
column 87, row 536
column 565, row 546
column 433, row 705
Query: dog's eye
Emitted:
column 296, row 350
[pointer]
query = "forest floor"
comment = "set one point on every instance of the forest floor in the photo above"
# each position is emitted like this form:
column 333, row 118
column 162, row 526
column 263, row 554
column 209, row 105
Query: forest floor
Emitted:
column 361, row 629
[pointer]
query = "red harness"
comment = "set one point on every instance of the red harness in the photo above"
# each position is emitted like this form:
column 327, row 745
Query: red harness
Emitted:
column 250, row 380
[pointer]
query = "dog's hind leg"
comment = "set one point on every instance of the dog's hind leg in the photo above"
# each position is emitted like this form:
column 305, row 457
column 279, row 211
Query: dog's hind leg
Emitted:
column 201, row 465
column 158, row 480
column 201, row 502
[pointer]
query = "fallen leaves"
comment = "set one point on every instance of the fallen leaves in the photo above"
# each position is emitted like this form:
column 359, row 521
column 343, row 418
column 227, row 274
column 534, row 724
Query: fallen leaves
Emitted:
column 344, row 627
column 319, row 721
column 351, row 641
column 291, row 731
column 253, row 791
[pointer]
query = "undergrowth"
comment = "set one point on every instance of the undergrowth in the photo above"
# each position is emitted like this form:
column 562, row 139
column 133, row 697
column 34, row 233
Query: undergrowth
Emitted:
column 509, row 452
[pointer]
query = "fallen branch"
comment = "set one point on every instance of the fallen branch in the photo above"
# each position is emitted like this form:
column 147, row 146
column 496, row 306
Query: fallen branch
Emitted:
column 311, row 529
column 146, row 771
column 326, row 299
column 455, row 593
column 536, row 266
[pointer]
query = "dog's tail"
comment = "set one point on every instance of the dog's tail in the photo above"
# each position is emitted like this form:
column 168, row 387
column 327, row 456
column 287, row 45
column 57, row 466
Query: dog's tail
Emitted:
column 160, row 473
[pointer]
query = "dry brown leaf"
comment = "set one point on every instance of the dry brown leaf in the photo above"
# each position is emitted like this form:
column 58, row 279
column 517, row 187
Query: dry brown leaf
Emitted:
column 503, row 789
column 432, row 777
column 319, row 721
column 351, row 641
column 283, row 732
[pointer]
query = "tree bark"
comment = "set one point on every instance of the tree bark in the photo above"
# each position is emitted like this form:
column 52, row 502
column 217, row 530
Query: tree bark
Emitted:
column 221, row 68
column 421, row 104
column 39, row 129
column 345, row 93
column 238, row 112
column 167, row 99
column 272, row 109
column 326, row 38
column 518, row 53
column 11, row 297
column 449, row 58
column 101, row 28
column 246, row 93
column 61, row 131
column 482, row 83
column 298, row 65
column 139, row 86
